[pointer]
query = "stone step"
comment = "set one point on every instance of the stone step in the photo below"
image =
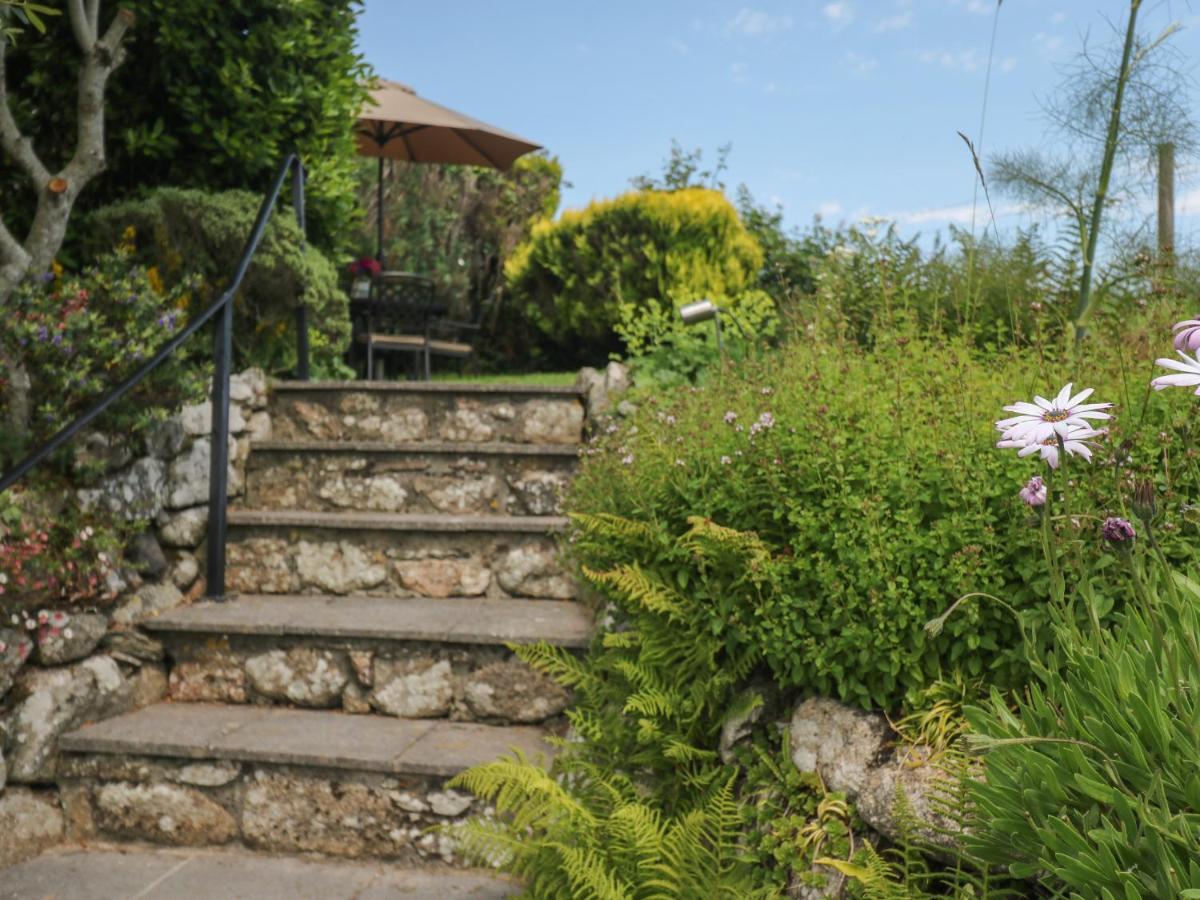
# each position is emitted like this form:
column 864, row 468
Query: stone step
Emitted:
column 104, row 872
column 426, row 411
column 293, row 552
column 424, row 477
column 278, row 780
column 413, row 658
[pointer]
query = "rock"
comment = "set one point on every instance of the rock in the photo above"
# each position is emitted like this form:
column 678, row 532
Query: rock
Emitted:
column 15, row 648
column 361, row 662
column 188, row 475
column 184, row 572
column 590, row 383
column 77, row 638
column 258, row 427
column 339, row 568
column 184, row 529
column 249, row 387
column 552, row 422
column 537, row 493
column 449, row 802
column 166, row 439
column 749, row 709
column 149, row 600
column 215, row 774
column 466, row 424
column 837, row 742
column 303, row 675
column 459, row 495
column 133, row 647
column 818, row 883
column 627, row 409
column 379, row 493
column 197, row 419
column 532, row 570
column 216, row 680
column 260, row 566
column 512, row 691
column 412, row 688
column 444, row 577
column 283, row 813
column 145, row 686
column 135, row 493
column 30, row 822
column 145, row 555
column 409, row 802
column 921, row 782
column 616, row 377
column 162, row 813
column 51, row 702
column 355, row 700
column 101, row 452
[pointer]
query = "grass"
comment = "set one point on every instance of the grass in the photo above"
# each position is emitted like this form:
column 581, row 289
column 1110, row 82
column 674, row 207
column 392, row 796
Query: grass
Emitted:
column 550, row 379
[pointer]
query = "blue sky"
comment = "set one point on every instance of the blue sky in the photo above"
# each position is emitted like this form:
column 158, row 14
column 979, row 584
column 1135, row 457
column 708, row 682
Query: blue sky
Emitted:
column 843, row 107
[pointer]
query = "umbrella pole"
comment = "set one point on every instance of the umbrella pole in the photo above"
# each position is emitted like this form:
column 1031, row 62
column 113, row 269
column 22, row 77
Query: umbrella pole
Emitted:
column 379, row 217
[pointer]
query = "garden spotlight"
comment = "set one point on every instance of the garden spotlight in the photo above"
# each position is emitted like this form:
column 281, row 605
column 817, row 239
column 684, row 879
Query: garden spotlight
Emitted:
column 702, row 311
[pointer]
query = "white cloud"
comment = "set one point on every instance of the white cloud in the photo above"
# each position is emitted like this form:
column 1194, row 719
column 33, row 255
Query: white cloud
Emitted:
column 737, row 71
column 756, row 23
column 1008, row 64
column 829, row 209
column 897, row 22
column 1058, row 18
column 770, row 87
column 969, row 60
column 1048, row 43
column 959, row 214
column 981, row 7
column 840, row 14
column 679, row 46
column 859, row 64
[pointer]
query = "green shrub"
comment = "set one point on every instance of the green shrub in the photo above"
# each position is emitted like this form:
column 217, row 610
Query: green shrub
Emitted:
column 582, row 275
column 79, row 334
column 872, row 479
column 184, row 233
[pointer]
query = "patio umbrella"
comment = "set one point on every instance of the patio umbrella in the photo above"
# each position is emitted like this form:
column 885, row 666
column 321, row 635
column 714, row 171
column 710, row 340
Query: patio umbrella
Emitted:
column 397, row 124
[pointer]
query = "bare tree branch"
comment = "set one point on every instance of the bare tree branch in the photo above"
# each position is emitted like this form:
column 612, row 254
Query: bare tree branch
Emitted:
column 17, row 146
column 85, row 34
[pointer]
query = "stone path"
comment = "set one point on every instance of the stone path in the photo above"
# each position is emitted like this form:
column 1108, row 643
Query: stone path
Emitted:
column 154, row 874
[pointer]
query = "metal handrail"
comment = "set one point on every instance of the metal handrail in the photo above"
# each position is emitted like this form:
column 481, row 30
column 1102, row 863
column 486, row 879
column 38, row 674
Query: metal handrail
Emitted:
column 222, row 362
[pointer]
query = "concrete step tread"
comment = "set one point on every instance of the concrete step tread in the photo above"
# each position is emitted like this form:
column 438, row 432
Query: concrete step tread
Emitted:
column 457, row 620
column 378, row 521
column 95, row 872
column 321, row 738
column 449, row 448
column 429, row 387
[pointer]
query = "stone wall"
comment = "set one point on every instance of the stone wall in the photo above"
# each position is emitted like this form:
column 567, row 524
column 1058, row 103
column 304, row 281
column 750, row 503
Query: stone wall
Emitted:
column 60, row 668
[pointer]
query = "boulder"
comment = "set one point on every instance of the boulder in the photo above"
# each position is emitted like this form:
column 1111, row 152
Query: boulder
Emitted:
column 135, row 493
column 444, row 577
column 449, row 803
column 537, row 493
column 305, row 676
column 77, row 638
column 30, row 822
column 163, row 813
column 412, row 688
column 838, row 743
column 914, row 773
column 14, row 650
column 512, row 691
column 533, row 570
column 149, row 600
column 339, row 568
column 184, row 572
column 184, row 529
column 132, row 647
column 188, row 475
column 166, row 439
column 461, row 496
column 197, row 419
column 258, row 427
column 146, row 556
column 553, row 422
column 101, row 452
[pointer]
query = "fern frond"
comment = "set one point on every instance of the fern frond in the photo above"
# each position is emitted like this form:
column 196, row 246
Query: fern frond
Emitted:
column 557, row 662
column 627, row 531
column 590, row 878
column 632, row 584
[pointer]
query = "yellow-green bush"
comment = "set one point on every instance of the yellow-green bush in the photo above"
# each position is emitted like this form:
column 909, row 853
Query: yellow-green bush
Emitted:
column 579, row 278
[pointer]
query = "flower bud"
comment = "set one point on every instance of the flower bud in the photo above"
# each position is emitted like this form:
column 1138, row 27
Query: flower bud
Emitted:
column 1119, row 532
column 1143, row 501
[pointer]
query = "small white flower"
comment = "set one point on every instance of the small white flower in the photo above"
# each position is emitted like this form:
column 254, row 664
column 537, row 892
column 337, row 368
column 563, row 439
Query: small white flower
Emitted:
column 766, row 392
column 3, row 578
column 627, row 459
column 670, row 420
column 1078, row 442
column 679, row 462
column 67, row 633
column 725, row 460
column 730, row 417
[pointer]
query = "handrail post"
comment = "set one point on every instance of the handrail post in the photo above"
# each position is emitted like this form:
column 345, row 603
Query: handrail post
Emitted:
column 298, row 179
column 218, row 475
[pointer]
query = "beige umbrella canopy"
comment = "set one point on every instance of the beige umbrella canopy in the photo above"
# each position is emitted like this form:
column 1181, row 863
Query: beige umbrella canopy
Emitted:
column 397, row 124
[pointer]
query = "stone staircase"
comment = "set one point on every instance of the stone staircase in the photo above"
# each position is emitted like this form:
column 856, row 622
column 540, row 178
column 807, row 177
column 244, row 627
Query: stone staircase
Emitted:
column 390, row 541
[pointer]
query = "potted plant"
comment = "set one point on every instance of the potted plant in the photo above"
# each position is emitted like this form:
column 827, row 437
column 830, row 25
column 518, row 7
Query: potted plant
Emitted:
column 361, row 272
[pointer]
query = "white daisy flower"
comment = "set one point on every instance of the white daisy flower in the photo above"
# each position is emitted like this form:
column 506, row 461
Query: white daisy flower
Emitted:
column 1077, row 442
column 1044, row 418
column 1188, row 372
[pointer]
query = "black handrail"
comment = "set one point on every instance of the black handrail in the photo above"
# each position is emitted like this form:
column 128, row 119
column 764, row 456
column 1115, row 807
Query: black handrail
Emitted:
column 222, row 362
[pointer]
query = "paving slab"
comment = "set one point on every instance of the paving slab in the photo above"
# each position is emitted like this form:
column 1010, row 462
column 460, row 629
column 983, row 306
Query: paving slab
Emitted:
column 367, row 521
column 285, row 736
column 163, row 874
column 460, row 620
column 417, row 448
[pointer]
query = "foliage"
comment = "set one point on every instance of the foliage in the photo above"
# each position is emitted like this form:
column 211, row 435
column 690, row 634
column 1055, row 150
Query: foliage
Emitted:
column 459, row 225
column 52, row 554
column 644, row 253
column 188, row 233
column 213, row 96
column 1090, row 781
column 78, row 335
column 16, row 13
column 871, row 481
column 685, row 169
